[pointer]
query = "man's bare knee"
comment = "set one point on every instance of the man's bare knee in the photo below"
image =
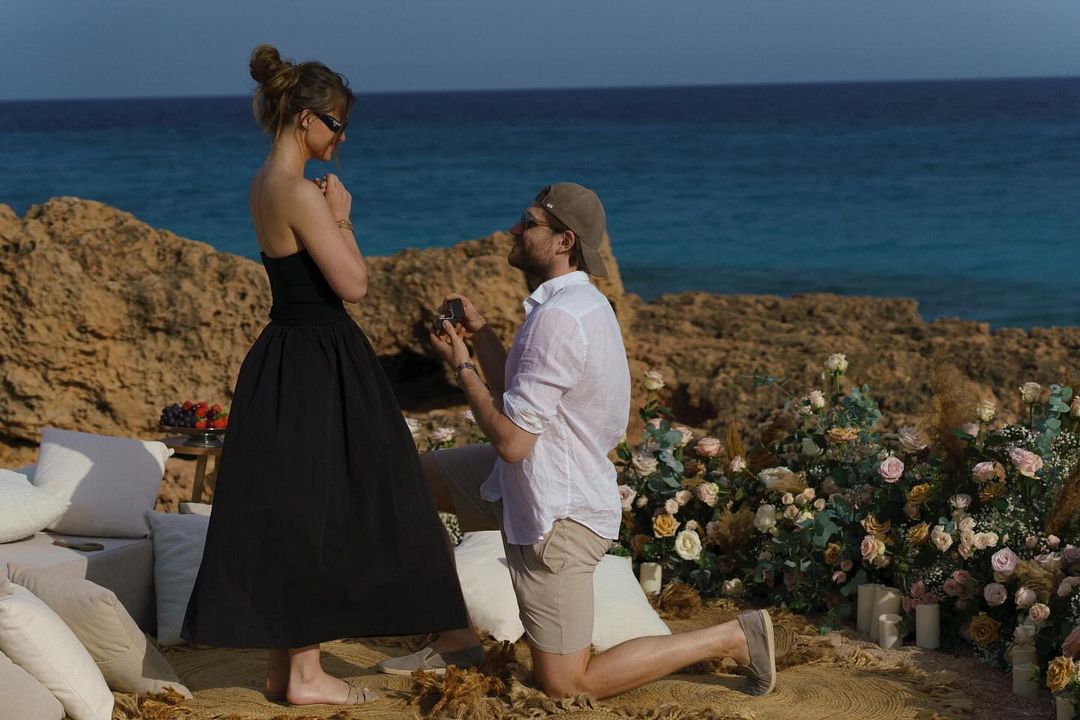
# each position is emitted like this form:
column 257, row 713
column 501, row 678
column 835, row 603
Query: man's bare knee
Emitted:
column 560, row 676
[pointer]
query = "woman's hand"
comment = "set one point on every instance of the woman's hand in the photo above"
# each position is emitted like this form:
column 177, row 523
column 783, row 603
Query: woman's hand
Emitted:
column 449, row 346
column 337, row 197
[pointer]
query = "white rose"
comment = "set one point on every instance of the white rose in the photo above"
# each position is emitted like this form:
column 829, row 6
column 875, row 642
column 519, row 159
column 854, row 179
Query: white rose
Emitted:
column 671, row 506
column 688, row 545
column 836, row 364
column 819, row 504
column 911, row 441
column 732, row 587
column 626, row 496
column 693, row 525
column 642, row 501
column 991, row 539
column 467, row 416
column 961, row 502
column 787, row 498
column 1030, row 392
column 985, row 410
column 816, row 399
column 966, row 523
column 981, row 541
column 443, row 434
column 791, row 512
column 765, row 518
column 654, row 380
column 644, row 463
column 1025, row 597
column 984, row 471
column 941, row 539
column 683, row 496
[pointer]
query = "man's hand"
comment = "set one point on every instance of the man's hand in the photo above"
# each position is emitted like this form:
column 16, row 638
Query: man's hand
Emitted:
column 471, row 322
column 449, row 346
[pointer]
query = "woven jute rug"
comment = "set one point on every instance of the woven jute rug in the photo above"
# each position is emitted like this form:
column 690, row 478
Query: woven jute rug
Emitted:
column 821, row 677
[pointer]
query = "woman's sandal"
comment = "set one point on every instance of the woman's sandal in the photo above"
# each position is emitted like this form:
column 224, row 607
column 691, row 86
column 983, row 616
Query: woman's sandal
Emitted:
column 362, row 694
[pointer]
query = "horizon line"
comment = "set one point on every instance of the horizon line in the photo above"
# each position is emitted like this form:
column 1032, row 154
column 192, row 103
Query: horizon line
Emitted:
column 682, row 86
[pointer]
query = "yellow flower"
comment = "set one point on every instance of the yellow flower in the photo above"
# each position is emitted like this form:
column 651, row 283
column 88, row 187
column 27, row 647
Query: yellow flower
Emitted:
column 918, row 534
column 918, row 494
column 1060, row 673
column 832, row 553
column 842, row 434
column 664, row 525
column 875, row 527
column 983, row 629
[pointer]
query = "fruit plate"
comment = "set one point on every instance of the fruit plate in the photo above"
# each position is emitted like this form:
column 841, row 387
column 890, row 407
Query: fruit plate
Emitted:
column 198, row 437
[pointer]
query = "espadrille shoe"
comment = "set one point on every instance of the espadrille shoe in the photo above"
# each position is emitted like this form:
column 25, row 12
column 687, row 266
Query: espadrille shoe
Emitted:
column 430, row 660
column 757, row 627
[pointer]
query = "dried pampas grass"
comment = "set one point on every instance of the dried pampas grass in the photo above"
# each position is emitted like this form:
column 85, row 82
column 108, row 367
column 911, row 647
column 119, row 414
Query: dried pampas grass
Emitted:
column 951, row 410
column 1037, row 578
column 677, row 600
column 1066, row 505
column 466, row 693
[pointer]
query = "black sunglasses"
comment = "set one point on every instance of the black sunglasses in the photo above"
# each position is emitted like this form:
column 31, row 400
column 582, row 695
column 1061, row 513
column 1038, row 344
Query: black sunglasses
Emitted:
column 335, row 125
column 527, row 221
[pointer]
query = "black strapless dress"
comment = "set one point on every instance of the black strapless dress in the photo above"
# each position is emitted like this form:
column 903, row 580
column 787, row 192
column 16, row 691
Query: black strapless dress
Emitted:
column 322, row 525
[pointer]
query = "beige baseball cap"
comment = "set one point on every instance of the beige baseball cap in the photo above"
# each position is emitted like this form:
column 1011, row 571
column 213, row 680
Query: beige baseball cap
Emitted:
column 578, row 208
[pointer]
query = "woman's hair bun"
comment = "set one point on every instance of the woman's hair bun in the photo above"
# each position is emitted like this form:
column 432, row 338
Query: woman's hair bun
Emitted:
column 266, row 64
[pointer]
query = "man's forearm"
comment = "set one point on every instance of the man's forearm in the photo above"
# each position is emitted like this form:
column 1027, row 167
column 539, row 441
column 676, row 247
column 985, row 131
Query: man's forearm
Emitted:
column 511, row 442
column 492, row 357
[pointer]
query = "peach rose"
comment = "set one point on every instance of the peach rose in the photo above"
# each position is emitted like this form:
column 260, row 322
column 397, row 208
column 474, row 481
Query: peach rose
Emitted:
column 708, row 493
column 983, row 629
column 1027, row 463
column 1038, row 613
column 664, row 525
column 709, row 447
column 683, row 496
column 891, row 469
column 1060, row 673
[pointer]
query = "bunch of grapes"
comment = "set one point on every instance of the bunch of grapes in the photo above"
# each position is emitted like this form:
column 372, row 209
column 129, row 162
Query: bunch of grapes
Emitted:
column 197, row 415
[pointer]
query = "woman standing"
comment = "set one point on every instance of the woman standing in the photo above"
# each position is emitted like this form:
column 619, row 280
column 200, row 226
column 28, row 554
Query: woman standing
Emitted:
column 322, row 524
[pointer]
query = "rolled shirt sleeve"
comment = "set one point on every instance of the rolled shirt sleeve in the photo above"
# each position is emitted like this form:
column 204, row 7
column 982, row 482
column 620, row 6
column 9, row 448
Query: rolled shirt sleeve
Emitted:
column 551, row 362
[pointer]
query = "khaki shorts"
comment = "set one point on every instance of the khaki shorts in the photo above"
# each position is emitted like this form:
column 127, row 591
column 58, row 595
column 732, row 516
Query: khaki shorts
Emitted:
column 553, row 579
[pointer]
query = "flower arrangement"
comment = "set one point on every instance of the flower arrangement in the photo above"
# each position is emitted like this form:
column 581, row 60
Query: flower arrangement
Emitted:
column 965, row 512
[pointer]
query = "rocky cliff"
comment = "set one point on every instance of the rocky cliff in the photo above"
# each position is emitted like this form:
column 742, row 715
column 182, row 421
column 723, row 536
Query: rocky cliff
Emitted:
column 106, row 319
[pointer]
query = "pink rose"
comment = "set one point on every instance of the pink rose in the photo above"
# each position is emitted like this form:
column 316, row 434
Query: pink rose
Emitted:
column 869, row 547
column 839, row 577
column 846, row 565
column 1067, row 586
column 1030, row 542
column 708, row 493
column 1027, row 463
column 1004, row 562
column 960, row 502
column 1053, row 541
column 984, row 471
column 791, row 512
column 995, row 594
column 709, row 447
column 683, row 496
column 819, row 504
column 737, row 465
column 1025, row 597
column 961, row 576
column 918, row 588
column 626, row 496
column 787, row 498
column 952, row 587
column 891, row 469
column 1070, row 555
column 1039, row 613
column 971, row 429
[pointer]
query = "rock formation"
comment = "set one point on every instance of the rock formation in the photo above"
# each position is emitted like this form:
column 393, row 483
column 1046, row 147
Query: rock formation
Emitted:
column 106, row 319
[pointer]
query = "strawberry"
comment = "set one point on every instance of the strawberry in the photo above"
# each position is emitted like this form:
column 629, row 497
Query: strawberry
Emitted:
column 187, row 405
column 200, row 424
column 215, row 409
column 200, row 411
column 217, row 424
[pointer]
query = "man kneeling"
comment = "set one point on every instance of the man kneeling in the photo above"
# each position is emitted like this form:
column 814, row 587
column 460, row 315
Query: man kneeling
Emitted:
column 553, row 409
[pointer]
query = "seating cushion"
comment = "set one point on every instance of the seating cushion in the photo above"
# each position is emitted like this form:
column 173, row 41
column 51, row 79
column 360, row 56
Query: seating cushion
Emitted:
column 621, row 611
column 120, row 649
column 39, row 642
column 111, row 482
column 23, row 697
column 25, row 509
column 178, row 548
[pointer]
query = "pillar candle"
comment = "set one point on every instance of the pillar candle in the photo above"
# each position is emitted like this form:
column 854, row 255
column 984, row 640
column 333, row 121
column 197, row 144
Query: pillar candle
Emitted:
column 865, row 607
column 1023, row 654
column 889, row 631
column 1025, row 682
column 650, row 576
column 1066, row 709
column 886, row 602
column 928, row 626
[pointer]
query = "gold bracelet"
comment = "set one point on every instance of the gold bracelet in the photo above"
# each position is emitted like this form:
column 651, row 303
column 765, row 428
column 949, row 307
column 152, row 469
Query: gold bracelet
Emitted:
column 345, row 224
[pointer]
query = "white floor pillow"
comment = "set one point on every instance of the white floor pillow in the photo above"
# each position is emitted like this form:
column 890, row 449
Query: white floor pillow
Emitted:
column 39, row 642
column 24, row 509
column 23, row 697
column 120, row 649
column 111, row 482
column 178, row 548
column 621, row 610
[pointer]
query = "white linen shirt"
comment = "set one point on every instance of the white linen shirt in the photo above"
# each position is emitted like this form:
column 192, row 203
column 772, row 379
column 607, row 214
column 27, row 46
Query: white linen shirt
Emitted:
column 567, row 380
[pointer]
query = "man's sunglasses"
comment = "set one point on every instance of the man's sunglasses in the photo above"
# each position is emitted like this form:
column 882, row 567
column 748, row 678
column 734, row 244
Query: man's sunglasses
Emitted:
column 527, row 221
column 335, row 125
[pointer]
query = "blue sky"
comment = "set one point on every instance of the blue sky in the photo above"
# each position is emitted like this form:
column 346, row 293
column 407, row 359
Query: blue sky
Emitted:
column 124, row 48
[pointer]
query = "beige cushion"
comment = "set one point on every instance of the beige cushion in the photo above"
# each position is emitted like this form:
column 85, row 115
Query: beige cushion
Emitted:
column 178, row 549
column 194, row 508
column 621, row 611
column 111, row 482
column 120, row 649
column 39, row 642
column 25, row 509
column 23, row 697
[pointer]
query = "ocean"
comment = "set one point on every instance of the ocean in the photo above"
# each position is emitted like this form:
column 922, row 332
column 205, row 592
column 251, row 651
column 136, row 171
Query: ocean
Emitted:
column 964, row 195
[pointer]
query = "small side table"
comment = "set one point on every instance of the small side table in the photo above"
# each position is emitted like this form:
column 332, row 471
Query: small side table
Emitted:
column 202, row 454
